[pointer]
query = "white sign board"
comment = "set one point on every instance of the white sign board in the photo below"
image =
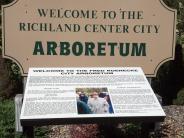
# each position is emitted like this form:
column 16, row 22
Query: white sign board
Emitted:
column 71, row 95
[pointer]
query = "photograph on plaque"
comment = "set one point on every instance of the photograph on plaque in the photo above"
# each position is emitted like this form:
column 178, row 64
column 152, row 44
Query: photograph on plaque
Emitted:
column 93, row 101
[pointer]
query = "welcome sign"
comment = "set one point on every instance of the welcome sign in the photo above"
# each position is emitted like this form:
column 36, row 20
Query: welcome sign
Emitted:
column 85, row 33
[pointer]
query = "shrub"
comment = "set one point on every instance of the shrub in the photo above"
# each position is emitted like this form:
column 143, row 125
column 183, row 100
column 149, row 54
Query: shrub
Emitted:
column 10, row 79
column 7, row 122
column 182, row 39
column 180, row 98
column 129, row 130
column 41, row 132
column 7, row 119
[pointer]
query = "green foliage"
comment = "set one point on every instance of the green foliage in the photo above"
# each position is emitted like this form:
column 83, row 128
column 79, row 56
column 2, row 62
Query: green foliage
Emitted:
column 89, row 91
column 132, row 130
column 7, row 119
column 10, row 79
column 129, row 130
column 170, row 77
column 14, row 71
column 182, row 136
column 182, row 39
column 2, row 2
column 41, row 132
column 7, row 122
column 179, row 5
column 180, row 98
column 172, row 3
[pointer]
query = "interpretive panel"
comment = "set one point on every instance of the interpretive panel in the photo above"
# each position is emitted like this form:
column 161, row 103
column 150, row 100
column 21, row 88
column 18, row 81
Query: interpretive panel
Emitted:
column 87, row 95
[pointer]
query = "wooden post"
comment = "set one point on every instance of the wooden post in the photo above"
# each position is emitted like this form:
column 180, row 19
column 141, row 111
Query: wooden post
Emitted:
column 28, row 131
column 145, row 129
column 18, row 106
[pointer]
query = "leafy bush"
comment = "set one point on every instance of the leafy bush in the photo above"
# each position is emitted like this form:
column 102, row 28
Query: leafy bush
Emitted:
column 180, row 98
column 121, row 131
column 41, row 132
column 7, row 119
column 182, row 39
column 10, row 80
column 7, row 122
column 132, row 130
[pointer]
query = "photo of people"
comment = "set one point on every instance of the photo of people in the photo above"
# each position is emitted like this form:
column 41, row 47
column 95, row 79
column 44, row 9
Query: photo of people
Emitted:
column 93, row 101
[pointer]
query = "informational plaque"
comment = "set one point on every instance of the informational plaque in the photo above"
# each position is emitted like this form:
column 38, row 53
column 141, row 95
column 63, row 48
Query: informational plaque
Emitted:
column 89, row 33
column 88, row 95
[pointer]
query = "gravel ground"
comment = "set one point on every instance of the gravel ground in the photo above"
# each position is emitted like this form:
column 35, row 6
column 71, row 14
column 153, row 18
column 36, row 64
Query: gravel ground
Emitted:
column 62, row 131
column 74, row 131
column 172, row 127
